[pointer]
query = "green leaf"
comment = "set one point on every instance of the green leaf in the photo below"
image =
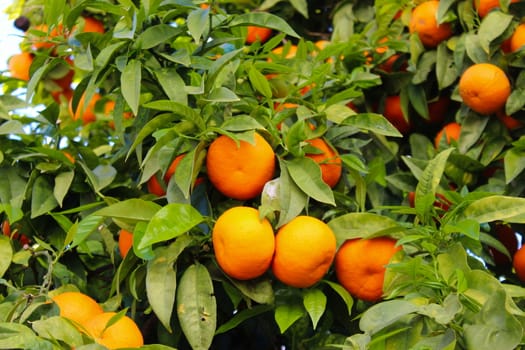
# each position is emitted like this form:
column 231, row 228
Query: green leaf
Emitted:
column 130, row 82
column 263, row 19
column 446, row 72
column 493, row 26
column 156, row 35
column 496, row 208
column 516, row 101
column 242, row 316
column 58, row 328
column 161, row 279
column 384, row 314
column 85, row 228
column 306, row 174
column 132, row 210
column 314, row 302
column 372, row 122
column 301, row 6
column 12, row 127
column 197, row 23
column 357, row 225
column 241, row 123
column 287, row 314
column 169, row 222
column 222, row 94
column 259, row 290
column 172, row 84
column 42, row 199
column 16, row 336
column 197, row 307
column 6, row 254
column 104, row 174
column 259, row 82
column 514, row 164
column 343, row 293
column 62, row 184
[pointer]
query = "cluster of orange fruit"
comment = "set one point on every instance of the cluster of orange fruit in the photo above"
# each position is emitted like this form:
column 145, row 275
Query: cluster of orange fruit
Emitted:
column 89, row 317
column 59, row 80
column 300, row 254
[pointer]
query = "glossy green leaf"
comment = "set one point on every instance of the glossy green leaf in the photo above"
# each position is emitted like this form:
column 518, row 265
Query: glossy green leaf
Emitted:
column 301, row 6
column 62, row 185
column 343, row 293
column 171, row 221
column 241, row 123
column 259, row 290
column 306, row 174
column 496, row 208
column 314, row 301
column 161, row 279
column 131, row 81
column 259, row 82
column 287, row 314
column 12, row 127
column 514, row 164
column 357, row 225
column 156, row 35
column 492, row 26
column 372, row 122
column 16, row 336
column 222, row 94
column 197, row 23
column 384, row 314
column 134, row 209
column 42, row 200
column 197, row 307
column 58, row 328
column 446, row 72
column 172, row 84
column 264, row 19
column 85, row 228
column 6, row 254
column 515, row 101
column 104, row 175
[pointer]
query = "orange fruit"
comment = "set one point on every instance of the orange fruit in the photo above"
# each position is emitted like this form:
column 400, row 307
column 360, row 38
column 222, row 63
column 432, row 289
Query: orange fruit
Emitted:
column 328, row 160
column 393, row 112
column 6, row 230
column 360, row 266
column 19, row 65
column 483, row 7
column 109, row 107
column 518, row 262
column 424, row 22
column 45, row 41
column 304, row 251
column 256, row 33
column 243, row 243
column 155, row 187
column 517, row 40
column 240, row 171
column 509, row 122
column 93, row 25
column 451, row 132
column 290, row 53
column 77, row 306
column 484, row 87
column 437, row 110
column 122, row 334
column 125, row 242
column 86, row 112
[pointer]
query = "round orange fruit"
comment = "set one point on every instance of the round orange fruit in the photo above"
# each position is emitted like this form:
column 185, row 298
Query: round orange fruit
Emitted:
column 484, row 88
column 518, row 262
column 240, row 171
column 424, row 22
column 77, row 306
column 125, row 242
column 85, row 111
column 304, row 251
column 124, row 333
column 360, row 266
column 243, row 243
column 328, row 160
column 19, row 64
column 451, row 131
column 256, row 33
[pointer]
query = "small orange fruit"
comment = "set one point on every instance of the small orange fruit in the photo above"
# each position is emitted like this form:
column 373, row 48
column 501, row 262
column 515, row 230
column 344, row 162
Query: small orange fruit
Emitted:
column 517, row 40
column 93, row 25
column 484, row 87
column 518, row 262
column 304, row 250
column 256, row 33
column 86, row 112
column 240, row 171
column 424, row 22
column 290, row 52
column 155, row 187
column 328, row 160
column 394, row 114
column 77, row 306
column 125, row 242
column 19, row 65
column 243, row 243
column 45, row 41
column 509, row 122
column 451, row 132
column 483, row 7
column 360, row 266
column 122, row 334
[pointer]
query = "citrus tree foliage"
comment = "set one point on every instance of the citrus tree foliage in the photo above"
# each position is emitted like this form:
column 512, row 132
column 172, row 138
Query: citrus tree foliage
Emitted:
column 177, row 74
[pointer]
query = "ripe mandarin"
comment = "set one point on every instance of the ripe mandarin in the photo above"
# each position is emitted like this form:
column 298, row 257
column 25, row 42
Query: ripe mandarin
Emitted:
column 328, row 160
column 304, row 250
column 240, row 171
column 484, row 87
column 424, row 22
column 19, row 64
column 451, row 131
column 518, row 262
column 77, row 306
column 360, row 266
column 125, row 242
column 124, row 333
column 243, row 243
